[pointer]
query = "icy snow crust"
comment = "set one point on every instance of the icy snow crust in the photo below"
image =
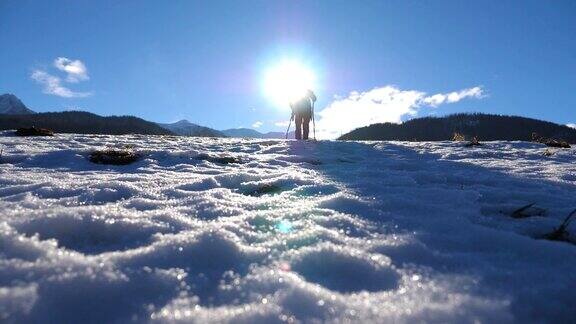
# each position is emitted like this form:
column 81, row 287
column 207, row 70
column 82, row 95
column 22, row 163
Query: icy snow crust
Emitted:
column 294, row 232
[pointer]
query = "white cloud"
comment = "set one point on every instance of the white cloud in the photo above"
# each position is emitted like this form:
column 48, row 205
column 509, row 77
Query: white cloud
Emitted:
column 53, row 85
column 380, row 105
column 283, row 123
column 76, row 70
column 438, row 99
column 257, row 124
column 571, row 125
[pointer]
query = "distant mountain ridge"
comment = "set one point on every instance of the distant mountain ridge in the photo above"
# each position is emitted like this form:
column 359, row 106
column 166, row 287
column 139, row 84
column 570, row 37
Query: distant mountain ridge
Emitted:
column 484, row 126
column 11, row 105
column 251, row 133
column 186, row 128
column 82, row 122
column 242, row 132
column 14, row 114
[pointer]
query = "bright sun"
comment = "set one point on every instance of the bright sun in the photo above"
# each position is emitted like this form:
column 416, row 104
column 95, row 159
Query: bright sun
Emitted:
column 287, row 82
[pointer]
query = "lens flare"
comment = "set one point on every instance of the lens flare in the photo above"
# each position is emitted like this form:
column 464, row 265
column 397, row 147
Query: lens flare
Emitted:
column 284, row 226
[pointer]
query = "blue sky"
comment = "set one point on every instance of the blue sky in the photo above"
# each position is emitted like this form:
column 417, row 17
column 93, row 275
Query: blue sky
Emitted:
column 205, row 60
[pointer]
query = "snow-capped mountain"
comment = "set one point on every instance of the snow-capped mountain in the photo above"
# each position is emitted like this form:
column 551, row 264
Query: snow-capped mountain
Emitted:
column 11, row 105
column 186, row 128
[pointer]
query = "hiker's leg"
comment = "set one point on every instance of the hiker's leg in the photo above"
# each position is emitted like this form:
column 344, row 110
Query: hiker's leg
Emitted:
column 306, row 126
column 298, row 122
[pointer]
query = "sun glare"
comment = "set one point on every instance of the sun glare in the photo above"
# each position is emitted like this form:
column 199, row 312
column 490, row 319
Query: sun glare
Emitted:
column 287, row 82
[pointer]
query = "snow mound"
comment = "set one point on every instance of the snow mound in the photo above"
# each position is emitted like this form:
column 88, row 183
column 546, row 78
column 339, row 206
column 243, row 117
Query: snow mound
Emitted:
column 333, row 268
column 270, row 231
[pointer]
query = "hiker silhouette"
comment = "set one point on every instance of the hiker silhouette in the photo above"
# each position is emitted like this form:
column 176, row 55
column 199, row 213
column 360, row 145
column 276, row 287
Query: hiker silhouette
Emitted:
column 302, row 113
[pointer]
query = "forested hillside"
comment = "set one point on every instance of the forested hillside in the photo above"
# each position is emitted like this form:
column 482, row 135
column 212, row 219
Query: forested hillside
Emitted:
column 485, row 127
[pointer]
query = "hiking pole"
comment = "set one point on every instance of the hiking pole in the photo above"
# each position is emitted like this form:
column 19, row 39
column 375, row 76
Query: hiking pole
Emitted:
column 289, row 124
column 313, row 120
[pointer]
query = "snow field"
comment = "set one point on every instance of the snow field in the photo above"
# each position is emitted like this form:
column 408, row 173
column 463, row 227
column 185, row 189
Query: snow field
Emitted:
column 229, row 230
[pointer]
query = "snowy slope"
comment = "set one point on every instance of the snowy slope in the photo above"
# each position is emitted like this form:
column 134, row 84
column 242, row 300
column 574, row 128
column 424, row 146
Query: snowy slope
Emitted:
column 11, row 105
column 298, row 231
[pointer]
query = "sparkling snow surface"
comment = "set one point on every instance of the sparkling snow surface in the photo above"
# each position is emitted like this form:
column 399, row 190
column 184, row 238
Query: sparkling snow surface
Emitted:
column 296, row 232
